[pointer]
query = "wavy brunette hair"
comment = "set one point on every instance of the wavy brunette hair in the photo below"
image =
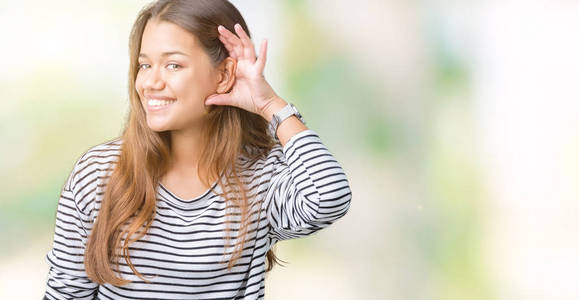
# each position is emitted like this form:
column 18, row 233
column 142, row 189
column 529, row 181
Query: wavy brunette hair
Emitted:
column 129, row 202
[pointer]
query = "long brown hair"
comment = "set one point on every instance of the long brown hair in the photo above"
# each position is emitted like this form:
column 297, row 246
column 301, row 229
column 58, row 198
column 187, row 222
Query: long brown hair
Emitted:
column 129, row 202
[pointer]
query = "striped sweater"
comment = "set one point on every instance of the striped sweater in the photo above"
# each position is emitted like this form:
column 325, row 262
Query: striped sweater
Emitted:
column 294, row 191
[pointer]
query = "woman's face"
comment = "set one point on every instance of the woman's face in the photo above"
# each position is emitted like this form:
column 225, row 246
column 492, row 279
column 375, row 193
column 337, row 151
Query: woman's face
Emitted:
column 175, row 77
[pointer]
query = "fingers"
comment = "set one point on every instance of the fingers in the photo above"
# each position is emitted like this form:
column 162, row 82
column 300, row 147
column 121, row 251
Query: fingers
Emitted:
column 240, row 46
column 230, row 37
column 262, row 56
column 228, row 46
column 248, row 49
column 219, row 99
column 231, row 42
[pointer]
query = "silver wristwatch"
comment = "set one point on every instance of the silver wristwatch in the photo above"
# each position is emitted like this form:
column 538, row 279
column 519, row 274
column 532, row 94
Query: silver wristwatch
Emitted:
column 284, row 113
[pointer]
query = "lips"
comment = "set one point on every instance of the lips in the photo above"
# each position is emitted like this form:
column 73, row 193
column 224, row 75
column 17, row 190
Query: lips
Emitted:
column 159, row 97
column 156, row 104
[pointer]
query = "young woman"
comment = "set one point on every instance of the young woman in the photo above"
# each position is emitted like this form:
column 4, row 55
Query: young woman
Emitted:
column 212, row 169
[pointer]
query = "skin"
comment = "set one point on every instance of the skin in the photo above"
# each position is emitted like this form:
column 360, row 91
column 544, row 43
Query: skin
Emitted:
column 195, row 84
column 251, row 91
column 190, row 79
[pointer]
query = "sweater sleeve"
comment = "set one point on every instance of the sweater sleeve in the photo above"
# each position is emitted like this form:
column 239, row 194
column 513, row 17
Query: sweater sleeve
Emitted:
column 308, row 190
column 66, row 275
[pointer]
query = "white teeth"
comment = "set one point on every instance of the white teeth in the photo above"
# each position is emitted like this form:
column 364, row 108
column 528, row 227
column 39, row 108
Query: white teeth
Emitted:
column 156, row 102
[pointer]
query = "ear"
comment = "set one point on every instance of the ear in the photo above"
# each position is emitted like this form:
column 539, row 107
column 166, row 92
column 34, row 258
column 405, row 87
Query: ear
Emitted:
column 226, row 75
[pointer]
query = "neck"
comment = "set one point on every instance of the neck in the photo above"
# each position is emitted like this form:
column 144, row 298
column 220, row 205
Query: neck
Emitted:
column 185, row 150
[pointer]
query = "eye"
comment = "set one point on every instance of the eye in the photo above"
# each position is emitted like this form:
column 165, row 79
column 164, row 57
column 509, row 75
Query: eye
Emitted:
column 141, row 66
column 176, row 66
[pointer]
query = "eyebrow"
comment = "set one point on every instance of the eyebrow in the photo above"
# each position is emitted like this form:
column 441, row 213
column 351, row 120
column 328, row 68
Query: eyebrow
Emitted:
column 164, row 54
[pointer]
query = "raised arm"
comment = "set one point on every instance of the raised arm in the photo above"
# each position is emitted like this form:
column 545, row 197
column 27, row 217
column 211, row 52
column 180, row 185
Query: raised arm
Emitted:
column 308, row 190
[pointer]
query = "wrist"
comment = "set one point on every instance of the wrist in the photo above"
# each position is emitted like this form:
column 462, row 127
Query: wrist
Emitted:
column 272, row 107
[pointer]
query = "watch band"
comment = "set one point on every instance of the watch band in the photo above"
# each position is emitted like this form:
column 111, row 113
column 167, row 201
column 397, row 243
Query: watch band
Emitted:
column 278, row 117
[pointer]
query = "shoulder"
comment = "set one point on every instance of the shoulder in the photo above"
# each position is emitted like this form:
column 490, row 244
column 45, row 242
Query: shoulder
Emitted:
column 104, row 150
column 91, row 171
column 277, row 153
column 259, row 159
column 97, row 156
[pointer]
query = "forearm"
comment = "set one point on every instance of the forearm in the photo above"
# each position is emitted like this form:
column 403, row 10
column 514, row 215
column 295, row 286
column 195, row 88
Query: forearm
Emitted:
column 287, row 128
column 309, row 189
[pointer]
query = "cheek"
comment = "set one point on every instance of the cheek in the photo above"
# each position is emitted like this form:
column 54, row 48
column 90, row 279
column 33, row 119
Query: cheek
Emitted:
column 188, row 88
column 139, row 87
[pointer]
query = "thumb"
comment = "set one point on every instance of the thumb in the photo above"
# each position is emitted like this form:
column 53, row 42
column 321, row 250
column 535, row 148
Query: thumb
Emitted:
column 217, row 99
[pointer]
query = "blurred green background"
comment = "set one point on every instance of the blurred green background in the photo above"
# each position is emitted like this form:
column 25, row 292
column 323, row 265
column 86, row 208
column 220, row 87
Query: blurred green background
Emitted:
column 456, row 123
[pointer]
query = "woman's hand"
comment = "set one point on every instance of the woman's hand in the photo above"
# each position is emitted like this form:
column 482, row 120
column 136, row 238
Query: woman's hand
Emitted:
column 250, row 90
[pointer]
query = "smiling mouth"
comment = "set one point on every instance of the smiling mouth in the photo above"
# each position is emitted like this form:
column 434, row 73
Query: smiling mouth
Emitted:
column 156, row 104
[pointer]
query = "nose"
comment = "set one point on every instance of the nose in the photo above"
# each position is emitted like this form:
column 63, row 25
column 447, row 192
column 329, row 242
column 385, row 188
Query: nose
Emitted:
column 153, row 80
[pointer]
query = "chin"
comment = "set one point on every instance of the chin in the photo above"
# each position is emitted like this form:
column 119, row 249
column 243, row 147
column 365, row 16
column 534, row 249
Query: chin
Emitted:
column 158, row 127
column 159, row 130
